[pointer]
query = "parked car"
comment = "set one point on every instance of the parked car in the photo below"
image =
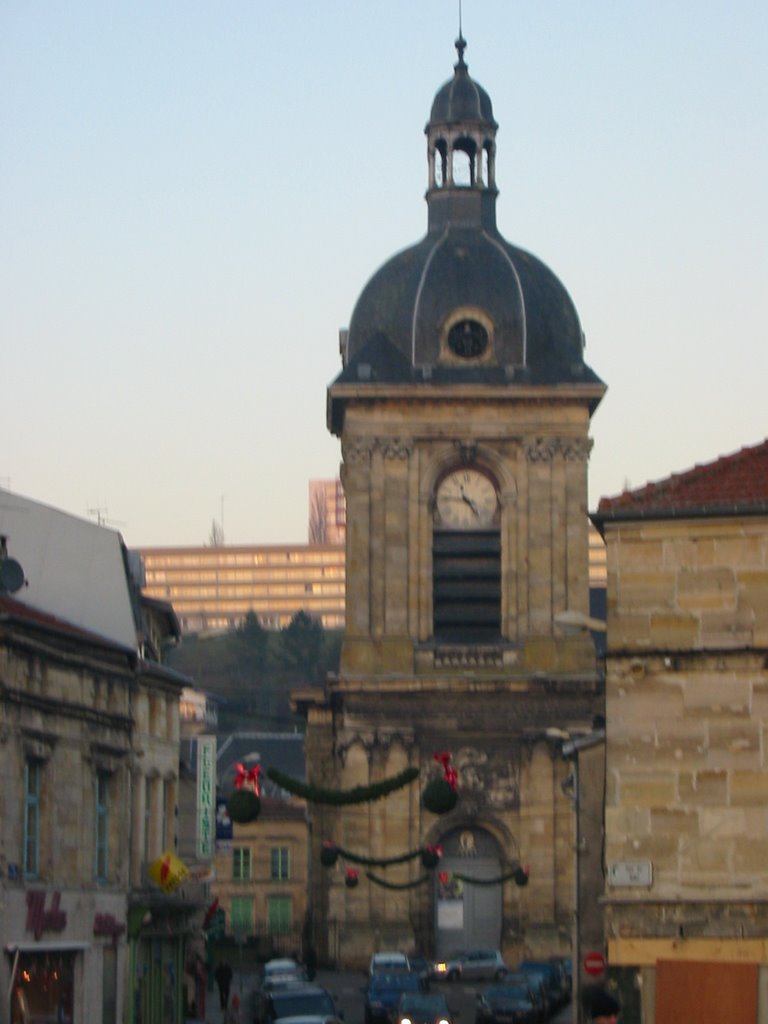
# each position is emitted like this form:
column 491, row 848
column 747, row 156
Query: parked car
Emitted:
column 536, row 985
column 566, row 965
column 388, row 963
column 420, row 966
column 473, row 964
column 507, row 1003
column 298, row 999
column 554, row 979
column 383, row 994
column 282, row 966
column 282, row 974
column 423, row 1008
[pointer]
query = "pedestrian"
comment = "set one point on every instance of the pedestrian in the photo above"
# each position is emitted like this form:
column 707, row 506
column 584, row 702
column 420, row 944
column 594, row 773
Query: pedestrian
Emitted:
column 223, row 977
column 310, row 962
column 603, row 1008
column 232, row 1016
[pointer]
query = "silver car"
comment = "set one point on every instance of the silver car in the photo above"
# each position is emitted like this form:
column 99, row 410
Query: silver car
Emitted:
column 471, row 964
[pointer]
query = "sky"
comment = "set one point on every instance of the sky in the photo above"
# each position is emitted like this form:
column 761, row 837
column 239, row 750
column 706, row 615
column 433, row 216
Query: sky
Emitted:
column 193, row 194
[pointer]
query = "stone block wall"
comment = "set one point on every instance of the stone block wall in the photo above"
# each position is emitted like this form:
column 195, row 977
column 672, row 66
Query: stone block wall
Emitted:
column 686, row 684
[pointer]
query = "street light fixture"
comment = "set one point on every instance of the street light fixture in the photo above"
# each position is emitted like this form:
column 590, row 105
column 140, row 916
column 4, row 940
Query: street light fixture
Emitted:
column 572, row 746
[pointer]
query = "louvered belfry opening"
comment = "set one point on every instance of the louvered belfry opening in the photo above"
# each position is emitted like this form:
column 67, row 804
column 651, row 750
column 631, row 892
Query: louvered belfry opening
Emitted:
column 466, row 585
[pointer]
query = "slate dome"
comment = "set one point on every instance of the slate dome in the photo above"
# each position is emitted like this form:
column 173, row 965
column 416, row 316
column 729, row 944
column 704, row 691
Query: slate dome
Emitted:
column 461, row 98
column 464, row 304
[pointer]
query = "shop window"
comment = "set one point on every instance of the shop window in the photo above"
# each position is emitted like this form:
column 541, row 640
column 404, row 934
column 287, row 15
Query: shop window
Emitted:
column 241, row 915
column 101, row 865
column 241, row 863
column 279, row 914
column 33, row 771
column 280, row 864
column 43, row 987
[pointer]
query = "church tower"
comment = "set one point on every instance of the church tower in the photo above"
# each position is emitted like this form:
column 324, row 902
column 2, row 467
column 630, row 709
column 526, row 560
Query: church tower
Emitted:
column 463, row 410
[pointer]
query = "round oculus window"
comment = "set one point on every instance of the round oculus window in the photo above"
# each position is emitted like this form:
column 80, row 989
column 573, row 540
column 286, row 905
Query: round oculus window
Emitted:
column 468, row 339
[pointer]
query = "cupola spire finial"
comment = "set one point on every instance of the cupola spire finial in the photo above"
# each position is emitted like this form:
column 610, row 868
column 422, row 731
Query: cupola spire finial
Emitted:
column 461, row 43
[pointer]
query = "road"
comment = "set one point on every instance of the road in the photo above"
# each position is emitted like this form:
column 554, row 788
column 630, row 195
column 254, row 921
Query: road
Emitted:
column 348, row 990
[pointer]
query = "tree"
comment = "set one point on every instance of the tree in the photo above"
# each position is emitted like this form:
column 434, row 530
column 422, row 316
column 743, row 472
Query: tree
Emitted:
column 318, row 518
column 216, row 539
column 252, row 643
column 302, row 645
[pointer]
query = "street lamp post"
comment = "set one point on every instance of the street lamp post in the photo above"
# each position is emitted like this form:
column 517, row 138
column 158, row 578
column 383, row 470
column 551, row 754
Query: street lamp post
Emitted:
column 572, row 746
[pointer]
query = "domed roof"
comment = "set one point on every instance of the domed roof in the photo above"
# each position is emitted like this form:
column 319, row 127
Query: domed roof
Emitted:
column 464, row 304
column 410, row 302
column 461, row 98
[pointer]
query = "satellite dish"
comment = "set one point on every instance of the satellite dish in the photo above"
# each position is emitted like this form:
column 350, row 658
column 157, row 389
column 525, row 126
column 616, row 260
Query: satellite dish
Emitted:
column 11, row 576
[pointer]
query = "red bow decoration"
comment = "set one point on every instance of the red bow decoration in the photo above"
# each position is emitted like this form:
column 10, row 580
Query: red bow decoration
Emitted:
column 442, row 877
column 437, row 850
column 450, row 774
column 352, row 874
column 209, row 913
column 251, row 777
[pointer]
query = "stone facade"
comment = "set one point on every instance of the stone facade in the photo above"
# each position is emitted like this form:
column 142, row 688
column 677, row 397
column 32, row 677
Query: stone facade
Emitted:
column 404, row 696
column 97, row 730
column 687, row 775
column 266, row 860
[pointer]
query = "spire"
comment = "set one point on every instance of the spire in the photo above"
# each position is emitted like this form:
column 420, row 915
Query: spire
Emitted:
column 461, row 45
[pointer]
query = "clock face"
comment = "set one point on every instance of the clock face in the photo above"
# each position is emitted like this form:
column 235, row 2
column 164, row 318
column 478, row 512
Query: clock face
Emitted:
column 466, row 500
column 468, row 339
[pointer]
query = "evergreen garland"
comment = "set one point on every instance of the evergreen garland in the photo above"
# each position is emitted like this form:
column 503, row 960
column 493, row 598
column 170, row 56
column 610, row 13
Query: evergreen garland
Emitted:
column 394, row 885
column 341, row 797
column 517, row 874
column 377, row 862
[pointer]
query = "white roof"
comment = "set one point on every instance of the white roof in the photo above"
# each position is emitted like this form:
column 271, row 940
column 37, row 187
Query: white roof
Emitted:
column 74, row 569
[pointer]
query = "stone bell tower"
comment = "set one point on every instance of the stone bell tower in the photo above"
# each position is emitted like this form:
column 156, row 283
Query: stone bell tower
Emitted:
column 463, row 409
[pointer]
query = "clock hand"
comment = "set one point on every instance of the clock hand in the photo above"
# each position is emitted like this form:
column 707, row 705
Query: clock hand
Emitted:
column 469, row 501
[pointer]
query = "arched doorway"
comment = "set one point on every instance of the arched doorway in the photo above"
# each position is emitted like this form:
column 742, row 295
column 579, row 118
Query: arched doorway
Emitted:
column 467, row 916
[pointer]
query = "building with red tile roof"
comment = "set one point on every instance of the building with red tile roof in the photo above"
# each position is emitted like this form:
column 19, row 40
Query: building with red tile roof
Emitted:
column 686, row 834
column 732, row 484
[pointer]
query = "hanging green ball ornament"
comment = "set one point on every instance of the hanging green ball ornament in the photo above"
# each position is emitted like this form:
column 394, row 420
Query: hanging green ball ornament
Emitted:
column 351, row 878
column 329, row 854
column 439, row 796
column 521, row 875
column 243, row 806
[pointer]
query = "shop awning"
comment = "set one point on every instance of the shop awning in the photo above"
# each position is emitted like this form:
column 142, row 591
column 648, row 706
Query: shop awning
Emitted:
column 45, row 947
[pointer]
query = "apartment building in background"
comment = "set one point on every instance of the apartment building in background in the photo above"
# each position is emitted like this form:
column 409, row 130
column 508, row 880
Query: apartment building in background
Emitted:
column 214, row 588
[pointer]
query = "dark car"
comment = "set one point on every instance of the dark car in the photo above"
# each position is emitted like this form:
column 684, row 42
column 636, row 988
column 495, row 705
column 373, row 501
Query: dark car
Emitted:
column 383, row 994
column 423, row 1008
column 536, row 985
column 420, row 966
column 507, row 1003
column 554, row 979
column 295, row 1000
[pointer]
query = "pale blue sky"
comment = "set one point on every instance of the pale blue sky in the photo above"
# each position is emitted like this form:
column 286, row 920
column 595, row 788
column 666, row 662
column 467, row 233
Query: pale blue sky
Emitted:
column 192, row 195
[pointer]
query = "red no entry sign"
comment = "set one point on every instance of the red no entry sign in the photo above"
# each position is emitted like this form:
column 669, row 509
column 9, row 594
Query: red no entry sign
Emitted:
column 594, row 963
